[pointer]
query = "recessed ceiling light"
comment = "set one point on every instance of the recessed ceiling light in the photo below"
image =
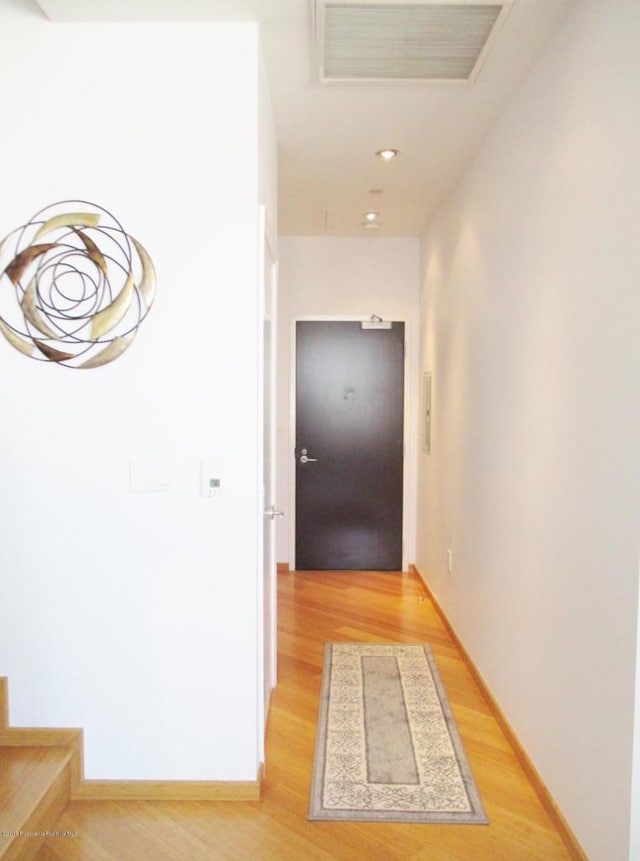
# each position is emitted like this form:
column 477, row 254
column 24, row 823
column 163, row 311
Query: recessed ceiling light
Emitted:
column 372, row 216
column 375, row 191
column 387, row 154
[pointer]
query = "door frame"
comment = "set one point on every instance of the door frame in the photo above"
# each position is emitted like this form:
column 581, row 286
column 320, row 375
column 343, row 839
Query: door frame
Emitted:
column 267, row 585
column 409, row 429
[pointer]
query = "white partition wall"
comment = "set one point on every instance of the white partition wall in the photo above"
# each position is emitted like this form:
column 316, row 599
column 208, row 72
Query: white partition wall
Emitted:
column 134, row 615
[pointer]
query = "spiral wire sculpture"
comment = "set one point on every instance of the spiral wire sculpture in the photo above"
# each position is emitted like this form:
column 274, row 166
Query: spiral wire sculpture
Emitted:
column 83, row 286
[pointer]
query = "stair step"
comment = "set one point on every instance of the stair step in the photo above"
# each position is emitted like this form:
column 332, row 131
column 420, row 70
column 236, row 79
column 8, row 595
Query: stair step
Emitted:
column 34, row 790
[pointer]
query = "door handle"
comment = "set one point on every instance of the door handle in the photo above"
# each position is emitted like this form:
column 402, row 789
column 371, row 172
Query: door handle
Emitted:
column 272, row 513
column 305, row 459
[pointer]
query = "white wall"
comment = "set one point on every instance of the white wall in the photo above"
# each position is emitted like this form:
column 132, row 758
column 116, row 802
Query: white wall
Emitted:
column 267, row 149
column 134, row 615
column 531, row 306
column 634, row 852
column 345, row 277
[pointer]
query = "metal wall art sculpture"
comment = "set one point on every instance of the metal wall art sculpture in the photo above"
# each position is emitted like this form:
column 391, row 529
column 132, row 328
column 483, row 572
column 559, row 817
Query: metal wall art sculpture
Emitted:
column 74, row 287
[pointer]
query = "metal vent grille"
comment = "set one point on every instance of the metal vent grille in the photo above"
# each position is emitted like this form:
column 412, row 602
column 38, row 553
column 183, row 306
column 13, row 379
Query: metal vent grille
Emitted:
column 414, row 41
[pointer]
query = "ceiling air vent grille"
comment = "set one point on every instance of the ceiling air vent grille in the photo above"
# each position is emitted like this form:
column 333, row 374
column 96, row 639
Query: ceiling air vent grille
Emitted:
column 396, row 40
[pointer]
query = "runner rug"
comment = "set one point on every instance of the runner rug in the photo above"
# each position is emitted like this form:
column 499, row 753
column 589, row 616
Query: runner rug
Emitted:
column 387, row 747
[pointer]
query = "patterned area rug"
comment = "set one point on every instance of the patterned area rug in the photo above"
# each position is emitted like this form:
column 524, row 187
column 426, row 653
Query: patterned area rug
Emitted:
column 387, row 748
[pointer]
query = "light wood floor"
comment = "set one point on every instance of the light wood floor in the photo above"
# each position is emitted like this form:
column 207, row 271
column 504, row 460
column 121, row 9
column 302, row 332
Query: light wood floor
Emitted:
column 316, row 608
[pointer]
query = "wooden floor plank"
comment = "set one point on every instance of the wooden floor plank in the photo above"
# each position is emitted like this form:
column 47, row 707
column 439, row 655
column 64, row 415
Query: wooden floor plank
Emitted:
column 315, row 608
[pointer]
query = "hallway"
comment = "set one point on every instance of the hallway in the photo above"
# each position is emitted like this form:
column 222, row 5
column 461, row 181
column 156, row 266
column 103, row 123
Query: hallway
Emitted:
column 316, row 608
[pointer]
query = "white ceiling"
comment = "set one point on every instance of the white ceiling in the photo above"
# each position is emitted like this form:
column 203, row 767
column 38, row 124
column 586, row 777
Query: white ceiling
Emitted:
column 328, row 133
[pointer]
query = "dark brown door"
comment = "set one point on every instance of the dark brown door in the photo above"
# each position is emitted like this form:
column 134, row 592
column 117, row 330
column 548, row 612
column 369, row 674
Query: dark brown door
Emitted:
column 349, row 446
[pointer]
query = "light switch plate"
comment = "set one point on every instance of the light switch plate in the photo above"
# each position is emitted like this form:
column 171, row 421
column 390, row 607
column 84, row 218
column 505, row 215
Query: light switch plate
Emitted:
column 150, row 476
column 210, row 480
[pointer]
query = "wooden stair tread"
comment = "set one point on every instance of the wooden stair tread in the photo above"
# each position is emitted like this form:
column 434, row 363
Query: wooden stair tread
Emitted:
column 34, row 783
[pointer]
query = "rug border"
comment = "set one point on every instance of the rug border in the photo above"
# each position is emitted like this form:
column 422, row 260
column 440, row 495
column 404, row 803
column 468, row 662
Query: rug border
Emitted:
column 477, row 815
